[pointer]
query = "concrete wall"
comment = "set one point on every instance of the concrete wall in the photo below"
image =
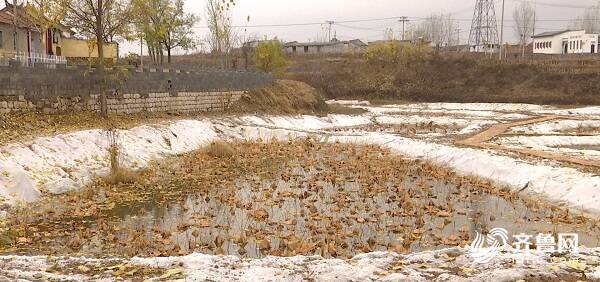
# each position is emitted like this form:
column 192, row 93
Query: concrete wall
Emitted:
column 78, row 48
column 181, row 102
column 128, row 90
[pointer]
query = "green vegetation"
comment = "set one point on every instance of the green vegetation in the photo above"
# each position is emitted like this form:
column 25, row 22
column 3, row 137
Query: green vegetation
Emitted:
column 270, row 58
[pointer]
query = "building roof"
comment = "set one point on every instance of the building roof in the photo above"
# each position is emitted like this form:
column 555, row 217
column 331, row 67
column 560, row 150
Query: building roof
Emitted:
column 25, row 19
column 333, row 42
column 552, row 33
column 7, row 18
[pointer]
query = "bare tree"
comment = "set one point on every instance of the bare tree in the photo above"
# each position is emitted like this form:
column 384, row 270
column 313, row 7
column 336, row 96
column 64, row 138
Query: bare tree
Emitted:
column 220, row 36
column 590, row 20
column 524, row 17
column 438, row 29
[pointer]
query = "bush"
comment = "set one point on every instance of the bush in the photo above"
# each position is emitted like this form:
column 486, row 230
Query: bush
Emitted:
column 270, row 58
column 219, row 149
column 395, row 52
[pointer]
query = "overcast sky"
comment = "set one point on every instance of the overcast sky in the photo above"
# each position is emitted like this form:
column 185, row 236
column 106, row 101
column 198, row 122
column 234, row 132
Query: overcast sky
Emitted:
column 552, row 15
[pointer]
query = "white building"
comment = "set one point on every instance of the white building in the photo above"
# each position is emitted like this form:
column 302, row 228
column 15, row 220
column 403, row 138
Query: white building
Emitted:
column 333, row 47
column 565, row 42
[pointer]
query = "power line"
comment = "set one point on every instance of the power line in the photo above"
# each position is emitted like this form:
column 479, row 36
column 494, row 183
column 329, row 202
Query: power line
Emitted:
column 308, row 23
column 359, row 28
column 557, row 5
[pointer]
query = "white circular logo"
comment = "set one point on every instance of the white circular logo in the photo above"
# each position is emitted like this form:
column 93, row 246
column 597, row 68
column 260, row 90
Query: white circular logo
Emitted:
column 484, row 248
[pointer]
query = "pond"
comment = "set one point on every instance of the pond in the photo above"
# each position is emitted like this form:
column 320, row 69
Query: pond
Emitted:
column 283, row 199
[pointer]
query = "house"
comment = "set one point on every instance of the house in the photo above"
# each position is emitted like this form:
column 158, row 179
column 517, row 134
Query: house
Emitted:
column 333, row 47
column 39, row 44
column 28, row 35
column 565, row 42
column 253, row 44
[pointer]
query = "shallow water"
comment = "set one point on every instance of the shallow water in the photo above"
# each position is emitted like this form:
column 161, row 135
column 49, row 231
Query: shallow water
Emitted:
column 326, row 208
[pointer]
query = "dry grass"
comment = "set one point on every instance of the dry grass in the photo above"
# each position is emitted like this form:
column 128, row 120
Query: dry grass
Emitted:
column 448, row 79
column 284, row 97
column 123, row 176
column 220, row 149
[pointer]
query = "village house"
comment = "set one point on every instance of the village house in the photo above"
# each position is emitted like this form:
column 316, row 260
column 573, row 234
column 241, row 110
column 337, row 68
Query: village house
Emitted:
column 29, row 37
column 565, row 42
column 35, row 44
column 333, row 47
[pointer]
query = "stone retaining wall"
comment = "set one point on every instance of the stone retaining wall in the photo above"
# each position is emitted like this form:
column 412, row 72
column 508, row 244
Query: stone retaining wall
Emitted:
column 181, row 102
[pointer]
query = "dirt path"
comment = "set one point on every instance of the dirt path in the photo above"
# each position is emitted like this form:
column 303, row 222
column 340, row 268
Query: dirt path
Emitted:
column 480, row 141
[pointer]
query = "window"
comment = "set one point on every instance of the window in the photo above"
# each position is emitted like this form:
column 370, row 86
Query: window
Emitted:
column 1, row 40
column 580, row 44
column 294, row 49
column 550, row 45
column 305, row 49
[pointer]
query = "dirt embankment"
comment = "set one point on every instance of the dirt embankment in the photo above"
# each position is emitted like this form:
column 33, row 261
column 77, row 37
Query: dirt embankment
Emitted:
column 284, row 97
column 449, row 79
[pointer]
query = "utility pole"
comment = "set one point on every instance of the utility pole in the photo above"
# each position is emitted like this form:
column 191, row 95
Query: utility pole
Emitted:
column 502, row 32
column 458, row 40
column 403, row 20
column 141, row 51
column 16, row 35
column 330, row 23
column 534, row 16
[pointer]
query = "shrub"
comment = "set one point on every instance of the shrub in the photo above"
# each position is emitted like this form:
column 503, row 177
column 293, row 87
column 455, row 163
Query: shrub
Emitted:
column 395, row 52
column 270, row 58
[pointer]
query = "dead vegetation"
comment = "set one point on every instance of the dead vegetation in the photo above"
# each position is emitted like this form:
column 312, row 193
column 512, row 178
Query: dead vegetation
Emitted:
column 118, row 173
column 284, row 97
column 440, row 78
column 219, row 149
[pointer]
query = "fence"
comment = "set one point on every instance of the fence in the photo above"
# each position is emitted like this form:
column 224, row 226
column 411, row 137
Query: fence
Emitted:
column 31, row 59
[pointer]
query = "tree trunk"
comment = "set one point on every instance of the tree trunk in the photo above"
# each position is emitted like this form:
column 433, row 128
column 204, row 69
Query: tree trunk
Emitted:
column 168, row 55
column 100, row 66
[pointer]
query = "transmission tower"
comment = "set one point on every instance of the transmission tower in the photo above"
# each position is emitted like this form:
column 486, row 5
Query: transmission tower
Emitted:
column 484, row 29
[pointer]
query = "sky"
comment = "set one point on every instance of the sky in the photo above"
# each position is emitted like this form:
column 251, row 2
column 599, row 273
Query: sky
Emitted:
column 551, row 15
column 378, row 15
